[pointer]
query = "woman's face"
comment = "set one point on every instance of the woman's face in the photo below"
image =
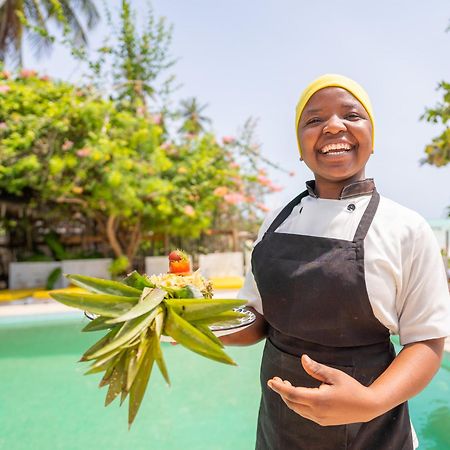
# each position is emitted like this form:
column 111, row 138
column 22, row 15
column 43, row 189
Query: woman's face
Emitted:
column 335, row 135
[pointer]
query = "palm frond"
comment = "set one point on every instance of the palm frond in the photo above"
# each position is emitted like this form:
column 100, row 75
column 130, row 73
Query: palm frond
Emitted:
column 39, row 43
column 88, row 8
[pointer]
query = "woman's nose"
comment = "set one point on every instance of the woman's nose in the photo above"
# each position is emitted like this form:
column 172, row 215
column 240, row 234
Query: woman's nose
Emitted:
column 334, row 125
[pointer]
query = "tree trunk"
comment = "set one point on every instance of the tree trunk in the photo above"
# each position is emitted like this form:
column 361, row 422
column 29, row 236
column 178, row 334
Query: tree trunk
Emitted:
column 112, row 237
column 134, row 241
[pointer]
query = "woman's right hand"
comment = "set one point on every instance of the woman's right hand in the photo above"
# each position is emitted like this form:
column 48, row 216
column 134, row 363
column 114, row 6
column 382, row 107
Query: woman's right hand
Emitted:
column 250, row 335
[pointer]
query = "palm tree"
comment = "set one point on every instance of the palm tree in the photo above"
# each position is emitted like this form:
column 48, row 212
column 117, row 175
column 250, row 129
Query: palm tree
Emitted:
column 191, row 112
column 17, row 15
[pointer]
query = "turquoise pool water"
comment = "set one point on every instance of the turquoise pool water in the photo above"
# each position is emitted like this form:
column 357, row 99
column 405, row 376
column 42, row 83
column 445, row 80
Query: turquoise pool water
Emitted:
column 46, row 403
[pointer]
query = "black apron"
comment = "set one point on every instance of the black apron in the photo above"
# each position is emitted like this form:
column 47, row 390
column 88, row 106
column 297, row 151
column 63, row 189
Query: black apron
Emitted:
column 315, row 301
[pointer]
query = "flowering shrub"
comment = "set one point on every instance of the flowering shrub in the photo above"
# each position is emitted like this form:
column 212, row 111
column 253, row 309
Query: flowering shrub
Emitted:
column 65, row 147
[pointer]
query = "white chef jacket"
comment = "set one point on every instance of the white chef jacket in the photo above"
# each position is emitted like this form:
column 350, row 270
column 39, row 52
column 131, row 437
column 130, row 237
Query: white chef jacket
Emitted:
column 404, row 271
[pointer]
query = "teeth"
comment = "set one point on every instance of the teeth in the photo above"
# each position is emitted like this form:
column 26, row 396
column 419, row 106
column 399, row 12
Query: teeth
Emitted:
column 335, row 147
column 335, row 153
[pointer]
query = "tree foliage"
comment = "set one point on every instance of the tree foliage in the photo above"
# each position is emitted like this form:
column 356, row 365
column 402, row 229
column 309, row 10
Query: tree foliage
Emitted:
column 438, row 151
column 64, row 146
column 121, row 157
column 32, row 18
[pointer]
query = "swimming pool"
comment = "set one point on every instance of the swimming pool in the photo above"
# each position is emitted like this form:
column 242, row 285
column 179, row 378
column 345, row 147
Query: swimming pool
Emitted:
column 46, row 403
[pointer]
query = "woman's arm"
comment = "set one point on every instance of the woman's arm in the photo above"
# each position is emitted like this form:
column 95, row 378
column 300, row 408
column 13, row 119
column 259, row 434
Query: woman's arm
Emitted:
column 409, row 373
column 251, row 335
column 342, row 400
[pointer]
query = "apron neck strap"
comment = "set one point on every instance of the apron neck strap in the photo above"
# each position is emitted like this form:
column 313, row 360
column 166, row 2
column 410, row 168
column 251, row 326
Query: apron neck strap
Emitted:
column 286, row 211
column 367, row 217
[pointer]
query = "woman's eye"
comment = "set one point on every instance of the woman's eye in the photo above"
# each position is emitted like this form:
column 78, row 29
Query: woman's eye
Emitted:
column 313, row 120
column 353, row 116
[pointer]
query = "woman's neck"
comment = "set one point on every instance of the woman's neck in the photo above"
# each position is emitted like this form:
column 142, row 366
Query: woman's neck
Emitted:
column 333, row 189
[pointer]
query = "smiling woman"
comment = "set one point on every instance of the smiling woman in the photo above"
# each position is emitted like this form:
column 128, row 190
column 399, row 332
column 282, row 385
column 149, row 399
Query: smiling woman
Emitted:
column 335, row 133
column 334, row 273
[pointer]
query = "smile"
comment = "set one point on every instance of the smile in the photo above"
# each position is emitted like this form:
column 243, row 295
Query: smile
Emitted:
column 335, row 149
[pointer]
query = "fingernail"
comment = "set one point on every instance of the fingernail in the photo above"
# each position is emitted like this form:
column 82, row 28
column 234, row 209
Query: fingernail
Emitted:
column 269, row 383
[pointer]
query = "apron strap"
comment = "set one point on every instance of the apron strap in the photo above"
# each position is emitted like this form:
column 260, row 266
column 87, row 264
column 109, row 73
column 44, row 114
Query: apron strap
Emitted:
column 286, row 211
column 367, row 217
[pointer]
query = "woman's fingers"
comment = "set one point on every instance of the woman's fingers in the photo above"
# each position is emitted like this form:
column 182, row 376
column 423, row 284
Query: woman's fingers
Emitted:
column 320, row 372
column 291, row 393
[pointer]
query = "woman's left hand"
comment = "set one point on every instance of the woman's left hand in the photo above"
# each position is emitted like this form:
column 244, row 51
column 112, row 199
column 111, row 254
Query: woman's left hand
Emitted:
column 340, row 399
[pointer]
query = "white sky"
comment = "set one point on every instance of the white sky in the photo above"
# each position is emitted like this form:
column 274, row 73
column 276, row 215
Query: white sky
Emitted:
column 253, row 57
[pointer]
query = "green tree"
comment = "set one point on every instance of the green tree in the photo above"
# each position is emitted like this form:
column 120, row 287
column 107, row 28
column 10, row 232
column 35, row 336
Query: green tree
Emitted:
column 131, row 64
column 191, row 113
column 110, row 150
column 438, row 151
column 32, row 17
column 66, row 149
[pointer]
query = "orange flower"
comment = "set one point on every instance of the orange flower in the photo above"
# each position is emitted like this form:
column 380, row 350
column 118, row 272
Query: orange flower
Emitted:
column 263, row 207
column 189, row 210
column 83, row 152
column 233, row 198
column 27, row 73
column 220, row 191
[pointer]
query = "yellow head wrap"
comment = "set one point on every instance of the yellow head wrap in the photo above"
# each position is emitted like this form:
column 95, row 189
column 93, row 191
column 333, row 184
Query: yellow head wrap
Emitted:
column 333, row 80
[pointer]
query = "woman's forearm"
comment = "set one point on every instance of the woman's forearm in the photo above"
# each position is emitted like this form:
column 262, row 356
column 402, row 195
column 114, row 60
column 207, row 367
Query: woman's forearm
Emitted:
column 250, row 335
column 408, row 374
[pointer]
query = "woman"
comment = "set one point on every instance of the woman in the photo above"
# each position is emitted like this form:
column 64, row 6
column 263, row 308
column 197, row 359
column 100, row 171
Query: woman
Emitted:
column 334, row 273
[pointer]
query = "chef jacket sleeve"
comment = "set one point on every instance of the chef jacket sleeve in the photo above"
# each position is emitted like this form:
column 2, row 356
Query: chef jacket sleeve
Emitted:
column 423, row 303
column 249, row 290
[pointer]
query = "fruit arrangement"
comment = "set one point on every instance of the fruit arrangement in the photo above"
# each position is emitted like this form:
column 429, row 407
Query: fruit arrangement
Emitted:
column 136, row 312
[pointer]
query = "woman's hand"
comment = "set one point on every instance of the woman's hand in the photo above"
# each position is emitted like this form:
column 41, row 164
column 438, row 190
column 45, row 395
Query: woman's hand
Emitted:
column 340, row 399
column 250, row 335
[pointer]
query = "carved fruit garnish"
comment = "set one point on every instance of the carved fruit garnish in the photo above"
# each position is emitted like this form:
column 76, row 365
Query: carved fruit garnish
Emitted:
column 179, row 262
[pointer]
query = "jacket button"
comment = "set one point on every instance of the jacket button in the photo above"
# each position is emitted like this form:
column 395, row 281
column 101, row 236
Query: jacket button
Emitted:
column 351, row 207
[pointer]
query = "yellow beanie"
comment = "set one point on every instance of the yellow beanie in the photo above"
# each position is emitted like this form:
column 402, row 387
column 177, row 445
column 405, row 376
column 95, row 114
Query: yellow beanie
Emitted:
column 333, row 80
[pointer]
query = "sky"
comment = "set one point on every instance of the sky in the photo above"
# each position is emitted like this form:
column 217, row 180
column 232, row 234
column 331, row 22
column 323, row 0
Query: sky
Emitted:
column 253, row 58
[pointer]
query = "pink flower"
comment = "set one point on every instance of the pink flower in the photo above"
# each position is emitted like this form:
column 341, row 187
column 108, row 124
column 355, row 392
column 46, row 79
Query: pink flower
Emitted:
column 3, row 126
column 44, row 78
column 4, row 88
column 189, row 210
column 166, row 145
column 262, row 207
column 83, row 152
column 234, row 165
column 250, row 199
column 233, row 198
column 262, row 179
column 275, row 188
column 292, row 174
column 190, row 135
column 221, row 191
column 228, row 140
column 140, row 111
column 5, row 74
column 27, row 73
column 157, row 119
column 67, row 145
